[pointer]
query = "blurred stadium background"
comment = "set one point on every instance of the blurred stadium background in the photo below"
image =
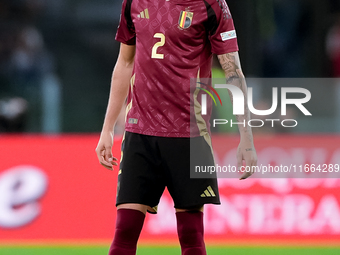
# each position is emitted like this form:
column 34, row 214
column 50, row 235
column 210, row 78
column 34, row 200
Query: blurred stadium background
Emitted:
column 56, row 59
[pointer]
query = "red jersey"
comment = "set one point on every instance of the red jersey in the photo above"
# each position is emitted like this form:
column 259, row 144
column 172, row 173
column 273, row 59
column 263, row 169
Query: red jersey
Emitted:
column 174, row 42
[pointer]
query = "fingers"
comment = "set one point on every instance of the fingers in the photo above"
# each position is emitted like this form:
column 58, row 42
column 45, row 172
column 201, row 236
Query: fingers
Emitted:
column 249, row 169
column 251, row 163
column 105, row 157
column 239, row 161
column 106, row 166
column 245, row 175
column 108, row 156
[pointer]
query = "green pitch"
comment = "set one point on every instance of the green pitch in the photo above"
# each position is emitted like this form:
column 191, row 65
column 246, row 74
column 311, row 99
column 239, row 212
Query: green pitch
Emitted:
column 171, row 251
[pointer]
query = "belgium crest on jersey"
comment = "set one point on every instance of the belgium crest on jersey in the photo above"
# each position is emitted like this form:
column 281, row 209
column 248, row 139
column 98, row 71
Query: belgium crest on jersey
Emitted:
column 185, row 19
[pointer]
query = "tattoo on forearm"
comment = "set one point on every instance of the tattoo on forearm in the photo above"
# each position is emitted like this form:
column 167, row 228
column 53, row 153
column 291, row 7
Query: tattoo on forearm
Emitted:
column 228, row 63
column 232, row 68
column 249, row 149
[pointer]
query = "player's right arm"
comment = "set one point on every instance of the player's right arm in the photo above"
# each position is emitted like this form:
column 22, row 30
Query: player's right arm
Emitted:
column 119, row 89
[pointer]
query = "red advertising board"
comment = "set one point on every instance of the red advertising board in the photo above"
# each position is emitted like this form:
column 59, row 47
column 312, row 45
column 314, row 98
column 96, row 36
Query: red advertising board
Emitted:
column 52, row 189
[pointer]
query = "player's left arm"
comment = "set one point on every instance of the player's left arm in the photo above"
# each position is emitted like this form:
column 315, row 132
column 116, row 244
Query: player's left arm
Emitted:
column 231, row 65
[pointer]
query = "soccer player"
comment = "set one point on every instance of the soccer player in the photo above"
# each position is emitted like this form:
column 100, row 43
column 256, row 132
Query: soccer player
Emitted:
column 164, row 44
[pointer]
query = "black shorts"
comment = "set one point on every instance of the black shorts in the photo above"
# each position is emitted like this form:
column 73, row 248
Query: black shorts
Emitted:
column 151, row 163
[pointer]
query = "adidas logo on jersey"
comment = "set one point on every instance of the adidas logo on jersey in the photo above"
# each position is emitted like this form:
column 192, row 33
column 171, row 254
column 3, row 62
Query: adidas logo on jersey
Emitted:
column 208, row 192
column 144, row 14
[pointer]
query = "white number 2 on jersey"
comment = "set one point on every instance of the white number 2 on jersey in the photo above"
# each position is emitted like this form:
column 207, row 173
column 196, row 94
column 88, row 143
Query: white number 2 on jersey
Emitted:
column 157, row 45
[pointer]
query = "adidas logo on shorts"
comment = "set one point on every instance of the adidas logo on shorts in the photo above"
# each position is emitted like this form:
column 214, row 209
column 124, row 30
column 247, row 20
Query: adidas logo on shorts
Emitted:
column 208, row 192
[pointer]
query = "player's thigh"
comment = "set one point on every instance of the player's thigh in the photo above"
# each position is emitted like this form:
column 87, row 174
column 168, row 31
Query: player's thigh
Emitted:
column 188, row 193
column 139, row 180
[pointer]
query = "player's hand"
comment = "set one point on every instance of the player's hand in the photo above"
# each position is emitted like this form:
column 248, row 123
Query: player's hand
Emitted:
column 104, row 150
column 246, row 152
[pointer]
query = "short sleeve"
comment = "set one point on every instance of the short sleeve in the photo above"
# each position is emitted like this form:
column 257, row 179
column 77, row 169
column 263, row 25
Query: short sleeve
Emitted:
column 126, row 29
column 220, row 28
